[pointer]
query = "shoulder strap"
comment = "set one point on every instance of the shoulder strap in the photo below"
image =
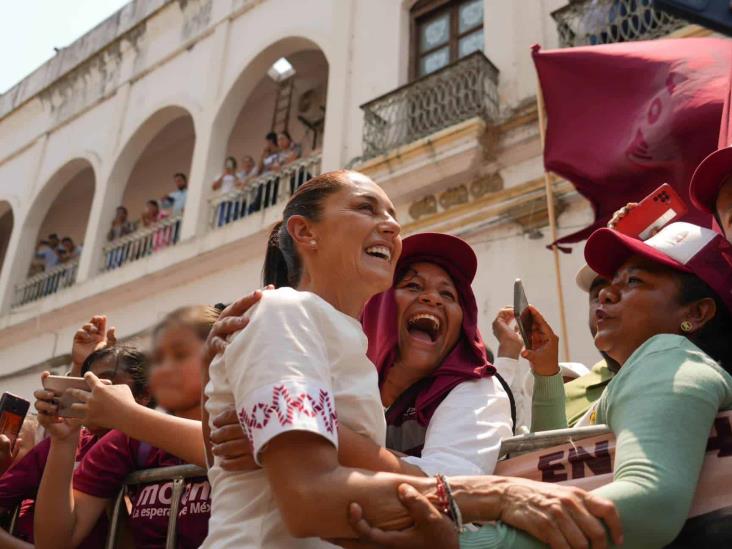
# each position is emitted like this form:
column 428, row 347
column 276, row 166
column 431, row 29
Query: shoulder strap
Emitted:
column 511, row 400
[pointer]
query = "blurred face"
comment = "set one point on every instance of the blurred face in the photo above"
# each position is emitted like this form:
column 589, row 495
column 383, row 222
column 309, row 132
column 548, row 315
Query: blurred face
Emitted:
column 180, row 183
column 121, row 214
column 641, row 301
column 283, row 142
column 357, row 239
column 429, row 316
column 724, row 208
column 247, row 163
column 69, row 245
column 53, row 242
column 175, row 380
column 151, row 209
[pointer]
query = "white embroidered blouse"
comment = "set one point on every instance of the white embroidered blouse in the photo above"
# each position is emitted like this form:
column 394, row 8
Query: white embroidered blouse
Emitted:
column 299, row 365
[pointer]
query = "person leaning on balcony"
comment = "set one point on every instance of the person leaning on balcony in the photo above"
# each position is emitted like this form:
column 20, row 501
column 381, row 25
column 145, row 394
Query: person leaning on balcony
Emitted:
column 121, row 225
column 299, row 372
column 70, row 251
column 249, row 170
column 71, row 501
column 289, row 153
column 227, row 210
column 268, row 164
column 179, row 195
column 581, row 392
column 665, row 318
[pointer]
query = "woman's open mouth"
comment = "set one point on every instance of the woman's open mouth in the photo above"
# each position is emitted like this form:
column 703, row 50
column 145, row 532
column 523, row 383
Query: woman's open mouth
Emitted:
column 424, row 327
column 381, row 252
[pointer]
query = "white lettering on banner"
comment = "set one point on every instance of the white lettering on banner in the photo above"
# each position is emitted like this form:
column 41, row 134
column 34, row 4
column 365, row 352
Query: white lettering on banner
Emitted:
column 201, row 507
column 148, row 495
column 166, row 498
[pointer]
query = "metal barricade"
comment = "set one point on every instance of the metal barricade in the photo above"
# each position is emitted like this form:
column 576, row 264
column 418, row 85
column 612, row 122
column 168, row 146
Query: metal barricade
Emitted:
column 178, row 474
column 521, row 444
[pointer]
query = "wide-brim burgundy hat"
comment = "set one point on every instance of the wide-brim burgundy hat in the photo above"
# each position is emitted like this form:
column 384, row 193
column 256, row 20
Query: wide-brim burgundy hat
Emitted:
column 708, row 178
column 681, row 246
column 450, row 252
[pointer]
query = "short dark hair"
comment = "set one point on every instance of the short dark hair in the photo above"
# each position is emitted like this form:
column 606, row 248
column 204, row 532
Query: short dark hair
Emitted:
column 153, row 203
column 181, row 175
column 127, row 360
column 271, row 137
column 67, row 239
column 122, row 208
column 53, row 236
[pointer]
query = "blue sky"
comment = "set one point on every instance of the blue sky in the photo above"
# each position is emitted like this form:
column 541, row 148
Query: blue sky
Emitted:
column 30, row 29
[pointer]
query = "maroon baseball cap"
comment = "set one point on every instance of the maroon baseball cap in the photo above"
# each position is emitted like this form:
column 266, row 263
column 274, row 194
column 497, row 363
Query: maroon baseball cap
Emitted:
column 708, row 178
column 449, row 252
column 682, row 246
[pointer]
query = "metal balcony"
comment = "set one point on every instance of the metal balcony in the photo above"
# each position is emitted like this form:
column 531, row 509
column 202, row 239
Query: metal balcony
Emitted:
column 453, row 94
column 592, row 22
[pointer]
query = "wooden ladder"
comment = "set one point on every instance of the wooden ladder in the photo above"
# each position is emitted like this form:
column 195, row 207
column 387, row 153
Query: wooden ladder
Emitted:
column 283, row 103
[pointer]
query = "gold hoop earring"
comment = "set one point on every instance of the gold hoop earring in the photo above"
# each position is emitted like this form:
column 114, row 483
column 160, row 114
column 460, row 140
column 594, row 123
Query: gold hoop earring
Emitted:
column 686, row 326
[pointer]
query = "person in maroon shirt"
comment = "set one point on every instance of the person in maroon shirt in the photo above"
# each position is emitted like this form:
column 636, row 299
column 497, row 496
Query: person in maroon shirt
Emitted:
column 175, row 385
column 19, row 485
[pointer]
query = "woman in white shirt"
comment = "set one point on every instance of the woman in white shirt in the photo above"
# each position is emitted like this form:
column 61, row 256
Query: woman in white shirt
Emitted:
column 228, row 210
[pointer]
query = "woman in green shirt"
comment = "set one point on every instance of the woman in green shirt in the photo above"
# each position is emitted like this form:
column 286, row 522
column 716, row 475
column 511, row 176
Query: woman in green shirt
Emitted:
column 665, row 318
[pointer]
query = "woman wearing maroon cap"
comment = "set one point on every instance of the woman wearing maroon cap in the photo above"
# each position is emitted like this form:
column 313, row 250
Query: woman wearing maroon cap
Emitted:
column 665, row 318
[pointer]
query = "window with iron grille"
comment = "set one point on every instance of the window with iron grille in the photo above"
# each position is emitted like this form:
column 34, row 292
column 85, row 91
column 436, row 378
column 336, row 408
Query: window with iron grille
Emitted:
column 444, row 31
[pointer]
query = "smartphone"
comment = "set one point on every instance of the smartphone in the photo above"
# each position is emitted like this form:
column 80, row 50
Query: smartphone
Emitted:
column 523, row 316
column 12, row 414
column 58, row 385
column 655, row 211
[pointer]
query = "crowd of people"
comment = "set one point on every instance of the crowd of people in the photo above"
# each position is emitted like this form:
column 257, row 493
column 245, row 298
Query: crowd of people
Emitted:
column 354, row 402
column 52, row 252
column 279, row 150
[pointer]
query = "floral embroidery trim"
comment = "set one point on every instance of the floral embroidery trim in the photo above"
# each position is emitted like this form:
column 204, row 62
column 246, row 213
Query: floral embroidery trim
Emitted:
column 287, row 407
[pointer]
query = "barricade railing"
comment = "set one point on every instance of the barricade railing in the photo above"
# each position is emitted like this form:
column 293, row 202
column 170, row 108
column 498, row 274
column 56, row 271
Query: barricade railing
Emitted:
column 141, row 243
column 262, row 192
column 520, row 444
column 44, row 284
column 178, row 474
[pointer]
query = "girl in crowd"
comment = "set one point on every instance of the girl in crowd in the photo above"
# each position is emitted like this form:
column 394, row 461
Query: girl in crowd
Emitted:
column 228, row 210
column 69, row 507
column 445, row 409
column 666, row 319
column 119, row 365
column 299, row 373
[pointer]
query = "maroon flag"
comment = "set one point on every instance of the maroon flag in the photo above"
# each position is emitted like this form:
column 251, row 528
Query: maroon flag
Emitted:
column 624, row 118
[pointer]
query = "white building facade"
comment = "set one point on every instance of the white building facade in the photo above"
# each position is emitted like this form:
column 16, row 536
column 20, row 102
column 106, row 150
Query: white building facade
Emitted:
column 434, row 99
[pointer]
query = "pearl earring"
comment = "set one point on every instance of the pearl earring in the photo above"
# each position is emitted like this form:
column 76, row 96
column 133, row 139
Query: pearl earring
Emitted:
column 313, row 243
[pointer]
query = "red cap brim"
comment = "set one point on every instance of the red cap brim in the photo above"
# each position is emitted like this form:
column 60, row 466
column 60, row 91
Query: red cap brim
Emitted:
column 606, row 250
column 450, row 252
column 708, row 178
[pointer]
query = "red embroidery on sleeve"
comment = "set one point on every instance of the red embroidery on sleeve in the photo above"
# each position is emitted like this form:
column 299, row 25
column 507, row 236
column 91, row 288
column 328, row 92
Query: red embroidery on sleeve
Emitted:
column 286, row 408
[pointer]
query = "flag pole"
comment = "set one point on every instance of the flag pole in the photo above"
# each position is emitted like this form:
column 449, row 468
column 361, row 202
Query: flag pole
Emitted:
column 549, row 187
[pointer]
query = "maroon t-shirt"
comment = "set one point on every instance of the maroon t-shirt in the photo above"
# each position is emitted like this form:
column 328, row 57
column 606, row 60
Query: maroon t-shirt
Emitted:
column 102, row 472
column 19, row 485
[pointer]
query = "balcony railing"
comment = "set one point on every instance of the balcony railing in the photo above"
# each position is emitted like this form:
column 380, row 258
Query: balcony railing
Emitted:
column 453, row 94
column 142, row 243
column 592, row 22
column 44, row 284
column 262, row 192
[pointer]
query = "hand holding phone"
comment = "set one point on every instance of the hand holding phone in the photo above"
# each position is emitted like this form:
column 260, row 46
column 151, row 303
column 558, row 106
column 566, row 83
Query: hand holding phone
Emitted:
column 522, row 313
column 58, row 385
column 654, row 212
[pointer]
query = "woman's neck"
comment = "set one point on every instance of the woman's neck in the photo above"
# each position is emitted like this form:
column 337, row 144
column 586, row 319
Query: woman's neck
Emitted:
column 399, row 378
column 346, row 300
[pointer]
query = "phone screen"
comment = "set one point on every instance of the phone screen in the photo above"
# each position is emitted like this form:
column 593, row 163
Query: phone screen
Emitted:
column 12, row 415
column 521, row 311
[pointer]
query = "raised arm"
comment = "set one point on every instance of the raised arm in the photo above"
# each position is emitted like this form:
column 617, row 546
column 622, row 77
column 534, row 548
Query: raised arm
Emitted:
column 63, row 517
